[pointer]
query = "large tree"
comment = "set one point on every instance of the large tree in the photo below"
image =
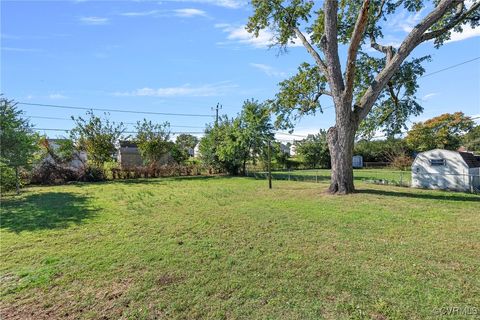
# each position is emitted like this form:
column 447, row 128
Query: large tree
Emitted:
column 371, row 89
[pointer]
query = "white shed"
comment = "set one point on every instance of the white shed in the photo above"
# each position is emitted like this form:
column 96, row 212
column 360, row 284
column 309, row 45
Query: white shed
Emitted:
column 357, row 162
column 445, row 169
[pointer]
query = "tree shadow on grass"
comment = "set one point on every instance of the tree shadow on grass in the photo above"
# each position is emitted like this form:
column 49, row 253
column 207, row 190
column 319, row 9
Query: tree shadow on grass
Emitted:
column 421, row 195
column 51, row 210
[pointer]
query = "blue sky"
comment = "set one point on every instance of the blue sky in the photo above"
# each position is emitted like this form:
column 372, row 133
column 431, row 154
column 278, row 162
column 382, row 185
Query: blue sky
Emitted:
column 181, row 57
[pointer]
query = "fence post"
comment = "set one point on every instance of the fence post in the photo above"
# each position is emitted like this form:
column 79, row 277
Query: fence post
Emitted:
column 316, row 176
column 401, row 178
column 289, row 174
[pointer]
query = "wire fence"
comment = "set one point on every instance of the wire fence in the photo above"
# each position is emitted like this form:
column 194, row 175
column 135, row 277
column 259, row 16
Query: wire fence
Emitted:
column 467, row 182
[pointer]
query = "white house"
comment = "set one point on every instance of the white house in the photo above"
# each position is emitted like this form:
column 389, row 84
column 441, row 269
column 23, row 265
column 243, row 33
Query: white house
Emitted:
column 445, row 169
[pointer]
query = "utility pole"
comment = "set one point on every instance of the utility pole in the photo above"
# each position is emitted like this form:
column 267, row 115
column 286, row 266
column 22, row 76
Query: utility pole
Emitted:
column 269, row 165
column 218, row 107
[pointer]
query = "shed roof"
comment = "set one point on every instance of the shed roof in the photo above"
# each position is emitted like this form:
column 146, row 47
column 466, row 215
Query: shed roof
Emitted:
column 470, row 159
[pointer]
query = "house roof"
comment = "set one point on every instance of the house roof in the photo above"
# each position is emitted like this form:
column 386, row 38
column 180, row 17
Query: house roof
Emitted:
column 470, row 159
column 127, row 144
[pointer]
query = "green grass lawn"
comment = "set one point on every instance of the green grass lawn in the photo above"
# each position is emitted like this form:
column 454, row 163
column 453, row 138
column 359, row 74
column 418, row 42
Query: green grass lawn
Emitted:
column 230, row 248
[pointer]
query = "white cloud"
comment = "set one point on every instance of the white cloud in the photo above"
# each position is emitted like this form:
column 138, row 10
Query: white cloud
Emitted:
column 268, row 70
column 238, row 34
column 428, row 96
column 468, row 32
column 189, row 12
column 232, row 4
column 184, row 13
column 94, row 20
column 140, row 13
column 57, row 96
column 206, row 90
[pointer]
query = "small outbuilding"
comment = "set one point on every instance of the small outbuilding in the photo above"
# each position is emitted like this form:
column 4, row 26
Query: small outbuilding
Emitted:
column 357, row 162
column 446, row 169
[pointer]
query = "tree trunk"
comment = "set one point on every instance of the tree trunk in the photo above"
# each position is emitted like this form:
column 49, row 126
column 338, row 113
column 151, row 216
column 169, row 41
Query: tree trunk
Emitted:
column 17, row 180
column 340, row 142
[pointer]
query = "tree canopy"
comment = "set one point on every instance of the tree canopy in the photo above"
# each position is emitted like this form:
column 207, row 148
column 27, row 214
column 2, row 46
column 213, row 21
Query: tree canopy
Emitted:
column 314, row 150
column 442, row 132
column 97, row 137
column 153, row 140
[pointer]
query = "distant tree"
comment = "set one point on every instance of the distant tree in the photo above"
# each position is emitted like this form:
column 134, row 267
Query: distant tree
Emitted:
column 471, row 140
column 96, row 136
column 443, row 132
column 231, row 143
column 183, row 144
column 381, row 150
column 367, row 89
column 18, row 141
column 222, row 146
column 256, row 130
column 153, row 141
column 314, row 150
column 279, row 155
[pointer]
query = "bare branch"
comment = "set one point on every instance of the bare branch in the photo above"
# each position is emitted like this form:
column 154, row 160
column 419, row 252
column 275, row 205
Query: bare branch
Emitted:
column 357, row 36
column 458, row 18
column 388, row 50
column 321, row 64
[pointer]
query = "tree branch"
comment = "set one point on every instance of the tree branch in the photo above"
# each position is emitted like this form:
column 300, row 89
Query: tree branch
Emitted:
column 357, row 36
column 388, row 50
column 458, row 18
column 413, row 39
column 321, row 64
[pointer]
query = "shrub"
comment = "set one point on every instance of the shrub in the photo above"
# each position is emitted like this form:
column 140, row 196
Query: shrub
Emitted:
column 401, row 162
column 7, row 179
column 93, row 173
column 48, row 172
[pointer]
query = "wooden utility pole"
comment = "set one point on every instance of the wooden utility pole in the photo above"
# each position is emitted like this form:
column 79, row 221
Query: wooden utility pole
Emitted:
column 218, row 107
column 269, row 165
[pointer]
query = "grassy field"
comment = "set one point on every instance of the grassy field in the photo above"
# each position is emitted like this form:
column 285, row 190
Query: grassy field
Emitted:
column 371, row 175
column 229, row 248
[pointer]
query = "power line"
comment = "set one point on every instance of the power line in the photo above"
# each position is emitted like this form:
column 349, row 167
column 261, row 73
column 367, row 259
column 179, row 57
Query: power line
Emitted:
column 115, row 110
column 132, row 132
column 430, row 74
column 133, row 123
column 448, row 68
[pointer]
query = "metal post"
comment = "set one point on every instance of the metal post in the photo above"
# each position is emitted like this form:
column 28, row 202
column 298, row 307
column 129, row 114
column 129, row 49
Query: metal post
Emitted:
column 269, row 166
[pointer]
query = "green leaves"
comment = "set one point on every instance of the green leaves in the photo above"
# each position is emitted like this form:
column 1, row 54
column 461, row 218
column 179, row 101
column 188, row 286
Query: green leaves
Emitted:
column 153, row 140
column 314, row 150
column 19, row 141
column 443, row 132
column 97, row 137
column 298, row 95
column 229, row 144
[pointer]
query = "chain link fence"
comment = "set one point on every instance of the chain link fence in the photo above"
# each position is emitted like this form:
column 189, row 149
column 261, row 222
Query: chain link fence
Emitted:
column 461, row 182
